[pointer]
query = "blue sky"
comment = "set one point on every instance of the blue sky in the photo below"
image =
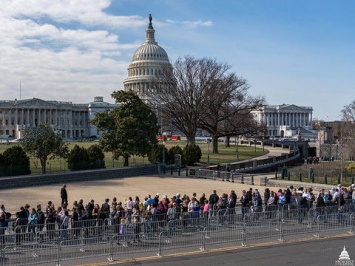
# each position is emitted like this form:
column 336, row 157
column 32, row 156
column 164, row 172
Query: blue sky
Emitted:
column 293, row 52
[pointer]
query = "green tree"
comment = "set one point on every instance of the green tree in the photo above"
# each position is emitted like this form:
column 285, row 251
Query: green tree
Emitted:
column 191, row 154
column 43, row 143
column 16, row 162
column 156, row 153
column 78, row 159
column 171, row 154
column 2, row 165
column 96, row 157
column 130, row 129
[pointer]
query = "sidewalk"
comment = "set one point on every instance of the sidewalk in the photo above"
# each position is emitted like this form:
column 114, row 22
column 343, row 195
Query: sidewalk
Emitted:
column 122, row 188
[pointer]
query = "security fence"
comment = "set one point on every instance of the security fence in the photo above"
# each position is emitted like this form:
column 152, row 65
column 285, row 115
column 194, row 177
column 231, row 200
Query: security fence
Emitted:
column 232, row 176
column 159, row 234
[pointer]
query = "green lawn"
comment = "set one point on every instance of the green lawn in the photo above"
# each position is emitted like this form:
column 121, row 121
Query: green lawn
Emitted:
column 225, row 155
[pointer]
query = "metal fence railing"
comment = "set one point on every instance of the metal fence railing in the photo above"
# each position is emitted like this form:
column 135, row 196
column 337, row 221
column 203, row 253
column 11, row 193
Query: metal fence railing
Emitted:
column 160, row 234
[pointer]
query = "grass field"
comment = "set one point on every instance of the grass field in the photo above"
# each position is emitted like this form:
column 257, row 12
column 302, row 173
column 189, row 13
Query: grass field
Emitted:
column 225, row 155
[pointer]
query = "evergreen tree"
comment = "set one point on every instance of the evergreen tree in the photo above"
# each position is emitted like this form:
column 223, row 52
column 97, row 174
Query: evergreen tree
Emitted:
column 130, row 129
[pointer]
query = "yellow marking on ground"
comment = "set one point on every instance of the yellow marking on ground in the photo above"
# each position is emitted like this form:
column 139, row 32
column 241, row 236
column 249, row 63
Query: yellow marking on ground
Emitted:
column 215, row 250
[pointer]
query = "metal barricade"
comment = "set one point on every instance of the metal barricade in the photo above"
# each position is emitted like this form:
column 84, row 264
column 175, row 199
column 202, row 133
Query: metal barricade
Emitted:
column 157, row 234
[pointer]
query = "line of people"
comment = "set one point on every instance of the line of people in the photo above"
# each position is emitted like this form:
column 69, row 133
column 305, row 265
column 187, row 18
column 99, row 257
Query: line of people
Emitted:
column 165, row 209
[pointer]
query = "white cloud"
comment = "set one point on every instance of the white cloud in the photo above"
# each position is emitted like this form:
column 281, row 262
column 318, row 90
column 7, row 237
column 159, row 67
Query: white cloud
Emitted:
column 57, row 59
column 67, row 50
column 198, row 23
column 86, row 12
column 191, row 24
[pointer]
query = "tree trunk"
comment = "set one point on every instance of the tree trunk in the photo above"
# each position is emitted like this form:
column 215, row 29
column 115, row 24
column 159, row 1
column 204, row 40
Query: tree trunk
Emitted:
column 125, row 161
column 227, row 141
column 190, row 140
column 43, row 165
column 214, row 143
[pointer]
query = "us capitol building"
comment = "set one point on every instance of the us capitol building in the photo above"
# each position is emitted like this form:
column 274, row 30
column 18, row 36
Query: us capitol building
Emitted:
column 73, row 120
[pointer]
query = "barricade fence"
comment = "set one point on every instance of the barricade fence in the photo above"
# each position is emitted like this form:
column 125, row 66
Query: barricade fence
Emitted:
column 160, row 234
column 231, row 176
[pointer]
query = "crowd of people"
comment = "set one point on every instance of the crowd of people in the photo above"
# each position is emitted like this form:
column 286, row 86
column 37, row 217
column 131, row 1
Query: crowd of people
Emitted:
column 163, row 208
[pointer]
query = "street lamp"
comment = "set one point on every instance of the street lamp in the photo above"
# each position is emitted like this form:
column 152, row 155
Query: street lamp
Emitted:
column 255, row 144
column 163, row 151
column 236, row 148
column 208, row 151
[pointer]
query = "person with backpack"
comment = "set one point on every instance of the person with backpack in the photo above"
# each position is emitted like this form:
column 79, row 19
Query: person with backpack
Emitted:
column 40, row 220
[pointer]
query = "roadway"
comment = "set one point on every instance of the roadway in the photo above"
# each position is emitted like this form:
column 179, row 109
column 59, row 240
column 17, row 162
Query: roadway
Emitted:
column 323, row 251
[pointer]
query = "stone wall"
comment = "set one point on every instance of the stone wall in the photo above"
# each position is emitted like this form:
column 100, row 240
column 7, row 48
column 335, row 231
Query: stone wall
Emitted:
column 296, row 184
column 76, row 176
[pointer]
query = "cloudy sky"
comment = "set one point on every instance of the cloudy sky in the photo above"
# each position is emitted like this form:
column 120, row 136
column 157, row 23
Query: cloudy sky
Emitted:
column 294, row 52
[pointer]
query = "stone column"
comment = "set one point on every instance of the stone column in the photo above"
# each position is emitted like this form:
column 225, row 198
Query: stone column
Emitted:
column 56, row 122
column 3, row 117
column 28, row 118
column 288, row 118
column 17, row 127
column 22, row 119
column 33, row 116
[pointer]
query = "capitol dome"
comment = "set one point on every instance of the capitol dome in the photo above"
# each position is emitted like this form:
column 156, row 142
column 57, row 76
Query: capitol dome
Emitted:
column 150, row 51
column 147, row 63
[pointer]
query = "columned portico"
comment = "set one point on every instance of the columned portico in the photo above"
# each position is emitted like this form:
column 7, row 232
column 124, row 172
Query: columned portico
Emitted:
column 66, row 118
column 284, row 118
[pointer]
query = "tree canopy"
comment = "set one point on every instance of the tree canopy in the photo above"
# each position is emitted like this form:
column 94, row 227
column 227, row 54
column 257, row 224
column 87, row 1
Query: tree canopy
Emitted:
column 203, row 94
column 43, row 143
column 14, row 161
column 130, row 129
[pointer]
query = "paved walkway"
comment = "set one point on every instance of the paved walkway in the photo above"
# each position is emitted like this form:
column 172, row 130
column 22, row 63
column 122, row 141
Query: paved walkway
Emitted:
column 122, row 188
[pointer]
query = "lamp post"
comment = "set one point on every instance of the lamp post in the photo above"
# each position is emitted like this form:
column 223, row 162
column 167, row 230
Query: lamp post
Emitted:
column 255, row 144
column 208, row 151
column 236, row 148
column 163, row 151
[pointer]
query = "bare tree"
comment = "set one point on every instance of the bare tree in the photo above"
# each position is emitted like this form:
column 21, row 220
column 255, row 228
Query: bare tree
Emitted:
column 348, row 112
column 242, row 123
column 348, row 128
column 180, row 93
column 201, row 94
column 228, row 97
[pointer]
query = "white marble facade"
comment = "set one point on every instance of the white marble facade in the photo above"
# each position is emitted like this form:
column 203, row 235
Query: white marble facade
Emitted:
column 284, row 120
column 71, row 120
column 147, row 63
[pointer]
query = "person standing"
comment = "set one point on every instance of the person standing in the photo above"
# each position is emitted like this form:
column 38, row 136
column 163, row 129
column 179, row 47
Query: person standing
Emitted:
column 40, row 220
column 32, row 221
column 64, row 226
column 3, row 224
column 213, row 200
column 64, row 195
